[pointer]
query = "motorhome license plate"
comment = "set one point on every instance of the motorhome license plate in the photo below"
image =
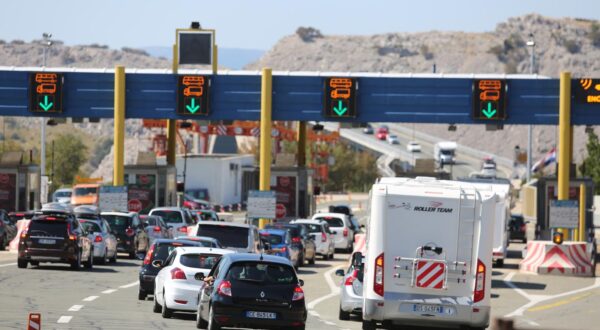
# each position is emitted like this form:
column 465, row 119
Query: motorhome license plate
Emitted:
column 261, row 315
column 47, row 241
column 433, row 309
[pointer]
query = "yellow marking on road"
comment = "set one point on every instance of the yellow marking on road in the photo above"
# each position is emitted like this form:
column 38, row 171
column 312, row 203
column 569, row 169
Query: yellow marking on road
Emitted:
column 560, row 303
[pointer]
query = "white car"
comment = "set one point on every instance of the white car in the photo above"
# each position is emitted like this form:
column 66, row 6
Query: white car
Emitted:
column 393, row 139
column 341, row 227
column 62, row 195
column 178, row 218
column 413, row 146
column 320, row 233
column 103, row 240
column 489, row 170
column 176, row 287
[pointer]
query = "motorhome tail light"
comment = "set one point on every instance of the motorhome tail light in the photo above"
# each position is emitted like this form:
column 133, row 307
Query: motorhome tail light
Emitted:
column 351, row 278
column 177, row 274
column 296, row 240
column 156, row 229
column 129, row 232
column 378, row 283
column 345, row 232
column 98, row 239
column 479, row 292
column 298, row 293
column 224, row 289
column 323, row 238
column 148, row 257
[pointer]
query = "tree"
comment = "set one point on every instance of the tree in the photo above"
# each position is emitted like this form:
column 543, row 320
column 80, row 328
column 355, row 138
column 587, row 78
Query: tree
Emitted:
column 352, row 171
column 69, row 155
column 591, row 164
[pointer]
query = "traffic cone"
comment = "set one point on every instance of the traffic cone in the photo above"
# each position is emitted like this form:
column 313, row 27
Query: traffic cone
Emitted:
column 35, row 321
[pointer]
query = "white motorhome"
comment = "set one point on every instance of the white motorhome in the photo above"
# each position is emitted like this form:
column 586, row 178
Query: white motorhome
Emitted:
column 444, row 152
column 429, row 254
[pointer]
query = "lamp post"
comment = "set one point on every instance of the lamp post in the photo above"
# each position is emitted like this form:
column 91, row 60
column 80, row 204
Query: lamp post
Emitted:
column 531, row 44
column 46, row 44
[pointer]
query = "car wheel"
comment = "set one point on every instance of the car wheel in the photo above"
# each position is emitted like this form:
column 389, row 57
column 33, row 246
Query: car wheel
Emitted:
column 312, row 260
column 21, row 263
column 131, row 255
column 166, row 312
column 212, row 324
column 114, row 257
column 332, row 255
column 142, row 294
column 500, row 263
column 104, row 259
column 3, row 242
column 368, row 325
column 524, row 240
column 90, row 263
column 344, row 316
column 325, row 256
column 200, row 323
column 300, row 261
column 76, row 265
column 157, row 308
column 300, row 327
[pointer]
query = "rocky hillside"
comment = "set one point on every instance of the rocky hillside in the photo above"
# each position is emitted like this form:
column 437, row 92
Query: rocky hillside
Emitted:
column 561, row 44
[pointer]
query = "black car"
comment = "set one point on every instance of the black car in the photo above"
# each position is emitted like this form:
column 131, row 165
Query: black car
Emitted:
column 368, row 129
column 8, row 230
column 517, row 228
column 301, row 241
column 159, row 250
column 130, row 232
column 16, row 216
column 252, row 290
column 56, row 237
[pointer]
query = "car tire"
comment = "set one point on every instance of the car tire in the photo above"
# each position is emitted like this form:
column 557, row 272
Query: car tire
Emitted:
column 89, row 265
column 524, row 240
column 104, row 259
column 212, row 324
column 300, row 261
column 200, row 323
column 369, row 325
column 343, row 316
column 21, row 263
column 300, row 327
column 166, row 312
column 157, row 308
column 332, row 255
column 76, row 265
column 114, row 258
column 312, row 260
column 142, row 294
column 500, row 263
column 325, row 256
column 3, row 242
column 131, row 255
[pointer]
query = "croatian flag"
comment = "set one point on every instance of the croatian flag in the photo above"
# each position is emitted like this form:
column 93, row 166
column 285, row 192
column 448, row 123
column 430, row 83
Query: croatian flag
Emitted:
column 548, row 159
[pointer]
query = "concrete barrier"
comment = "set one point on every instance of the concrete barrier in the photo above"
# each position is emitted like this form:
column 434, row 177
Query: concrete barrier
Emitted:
column 567, row 259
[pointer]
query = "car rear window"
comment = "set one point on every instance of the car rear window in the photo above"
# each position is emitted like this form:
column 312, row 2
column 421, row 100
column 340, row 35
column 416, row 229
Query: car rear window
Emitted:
column 229, row 236
column 48, row 228
column 272, row 238
column 118, row 222
column 209, row 216
column 162, row 251
column 150, row 221
column 293, row 230
column 199, row 260
column 90, row 226
column 312, row 228
column 332, row 221
column 262, row 272
column 169, row 216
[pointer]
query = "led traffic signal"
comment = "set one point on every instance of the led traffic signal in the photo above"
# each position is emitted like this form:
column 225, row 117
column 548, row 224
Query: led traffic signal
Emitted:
column 45, row 92
column 586, row 90
column 340, row 97
column 192, row 95
column 489, row 99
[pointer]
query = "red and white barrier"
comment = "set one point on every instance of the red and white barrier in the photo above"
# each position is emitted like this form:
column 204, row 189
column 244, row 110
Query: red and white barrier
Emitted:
column 13, row 246
column 34, row 322
column 569, row 258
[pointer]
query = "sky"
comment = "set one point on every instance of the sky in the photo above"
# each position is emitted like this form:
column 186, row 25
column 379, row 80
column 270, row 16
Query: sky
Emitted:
column 259, row 24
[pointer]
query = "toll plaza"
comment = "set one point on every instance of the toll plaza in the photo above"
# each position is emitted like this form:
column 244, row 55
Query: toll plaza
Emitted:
column 19, row 183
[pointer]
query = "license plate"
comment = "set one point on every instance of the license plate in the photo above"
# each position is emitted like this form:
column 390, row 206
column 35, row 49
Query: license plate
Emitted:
column 47, row 241
column 261, row 315
column 432, row 309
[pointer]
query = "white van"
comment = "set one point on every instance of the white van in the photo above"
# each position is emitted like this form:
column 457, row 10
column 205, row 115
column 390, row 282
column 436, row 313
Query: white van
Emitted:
column 437, row 265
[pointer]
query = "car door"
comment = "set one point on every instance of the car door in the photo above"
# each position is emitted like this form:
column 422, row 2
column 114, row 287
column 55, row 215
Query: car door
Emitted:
column 207, row 290
column 159, row 280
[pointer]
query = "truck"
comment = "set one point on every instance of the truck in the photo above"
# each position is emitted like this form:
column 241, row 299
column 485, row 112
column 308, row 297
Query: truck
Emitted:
column 428, row 254
column 444, row 152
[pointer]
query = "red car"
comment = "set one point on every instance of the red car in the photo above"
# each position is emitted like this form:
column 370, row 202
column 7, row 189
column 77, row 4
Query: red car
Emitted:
column 382, row 133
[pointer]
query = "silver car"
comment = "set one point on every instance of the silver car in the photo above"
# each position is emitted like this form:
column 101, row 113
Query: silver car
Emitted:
column 103, row 240
column 351, row 300
column 156, row 228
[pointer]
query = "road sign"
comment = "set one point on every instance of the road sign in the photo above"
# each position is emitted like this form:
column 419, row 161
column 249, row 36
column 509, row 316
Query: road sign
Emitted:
column 340, row 97
column 280, row 211
column 564, row 214
column 489, row 99
column 261, row 204
column 195, row 46
column 45, row 92
column 586, row 90
column 192, row 95
column 113, row 198
column 134, row 205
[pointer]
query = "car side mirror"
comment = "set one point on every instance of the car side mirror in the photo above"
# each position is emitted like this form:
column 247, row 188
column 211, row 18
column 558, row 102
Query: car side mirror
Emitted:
column 157, row 263
column 266, row 246
column 199, row 276
column 339, row 272
column 301, row 282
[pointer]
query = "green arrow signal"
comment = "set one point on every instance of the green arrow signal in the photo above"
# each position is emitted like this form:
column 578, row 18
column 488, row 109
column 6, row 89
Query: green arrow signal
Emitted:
column 340, row 109
column 489, row 112
column 192, row 108
column 46, row 106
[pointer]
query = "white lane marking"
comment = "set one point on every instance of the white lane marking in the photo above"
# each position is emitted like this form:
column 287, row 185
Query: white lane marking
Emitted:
column 90, row 298
column 64, row 319
column 109, row 291
column 129, row 285
column 335, row 290
column 75, row 308
column 536, row 299
column 314, row 313
column 6, row 265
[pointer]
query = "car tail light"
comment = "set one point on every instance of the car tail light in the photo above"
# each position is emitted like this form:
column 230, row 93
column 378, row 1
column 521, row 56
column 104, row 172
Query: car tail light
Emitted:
column 156, row 229
column 177, row 274
column 72, row 236
column 296, row 240
column 378, row 284
column 523, row 227
column 351, row 278
column 283, row 249
column 129, row 232
column 479, row 292
column 50, row 218
column 345, row 232
column 182, row 229
column 148, row 257
column 323, row 238
column 224, row 289
column 24, row 232
column 98, row 239
column 298, row 293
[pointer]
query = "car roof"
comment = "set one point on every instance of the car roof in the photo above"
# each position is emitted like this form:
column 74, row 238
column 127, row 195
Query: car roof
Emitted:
column 236, row 257
column 126, row 214
column 224, row 224
column 166, row 208
column 310, row 221
column 281, row 232
column 171, row 240
column 201, row 249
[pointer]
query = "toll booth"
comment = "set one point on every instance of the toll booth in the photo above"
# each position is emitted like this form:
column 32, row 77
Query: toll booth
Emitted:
column 293, row 186
column 150, row 186
column 19, row 183
column 547, row 190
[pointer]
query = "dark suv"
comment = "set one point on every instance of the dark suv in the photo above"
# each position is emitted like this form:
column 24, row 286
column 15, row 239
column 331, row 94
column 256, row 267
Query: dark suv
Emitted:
column 130, row 232
column 301, row 241
column 56, row 237
column 8, row 229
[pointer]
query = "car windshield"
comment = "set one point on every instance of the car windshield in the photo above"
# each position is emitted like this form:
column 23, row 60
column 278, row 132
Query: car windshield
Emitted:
column 117, row 222
column 332, row 221
column 199, row 260
column 62, row 194
column 447, row 152
column 169, row 216
column 85, row 191
column 229, row 236
column 263, row 272
column 273, row 239
column 91, row 226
